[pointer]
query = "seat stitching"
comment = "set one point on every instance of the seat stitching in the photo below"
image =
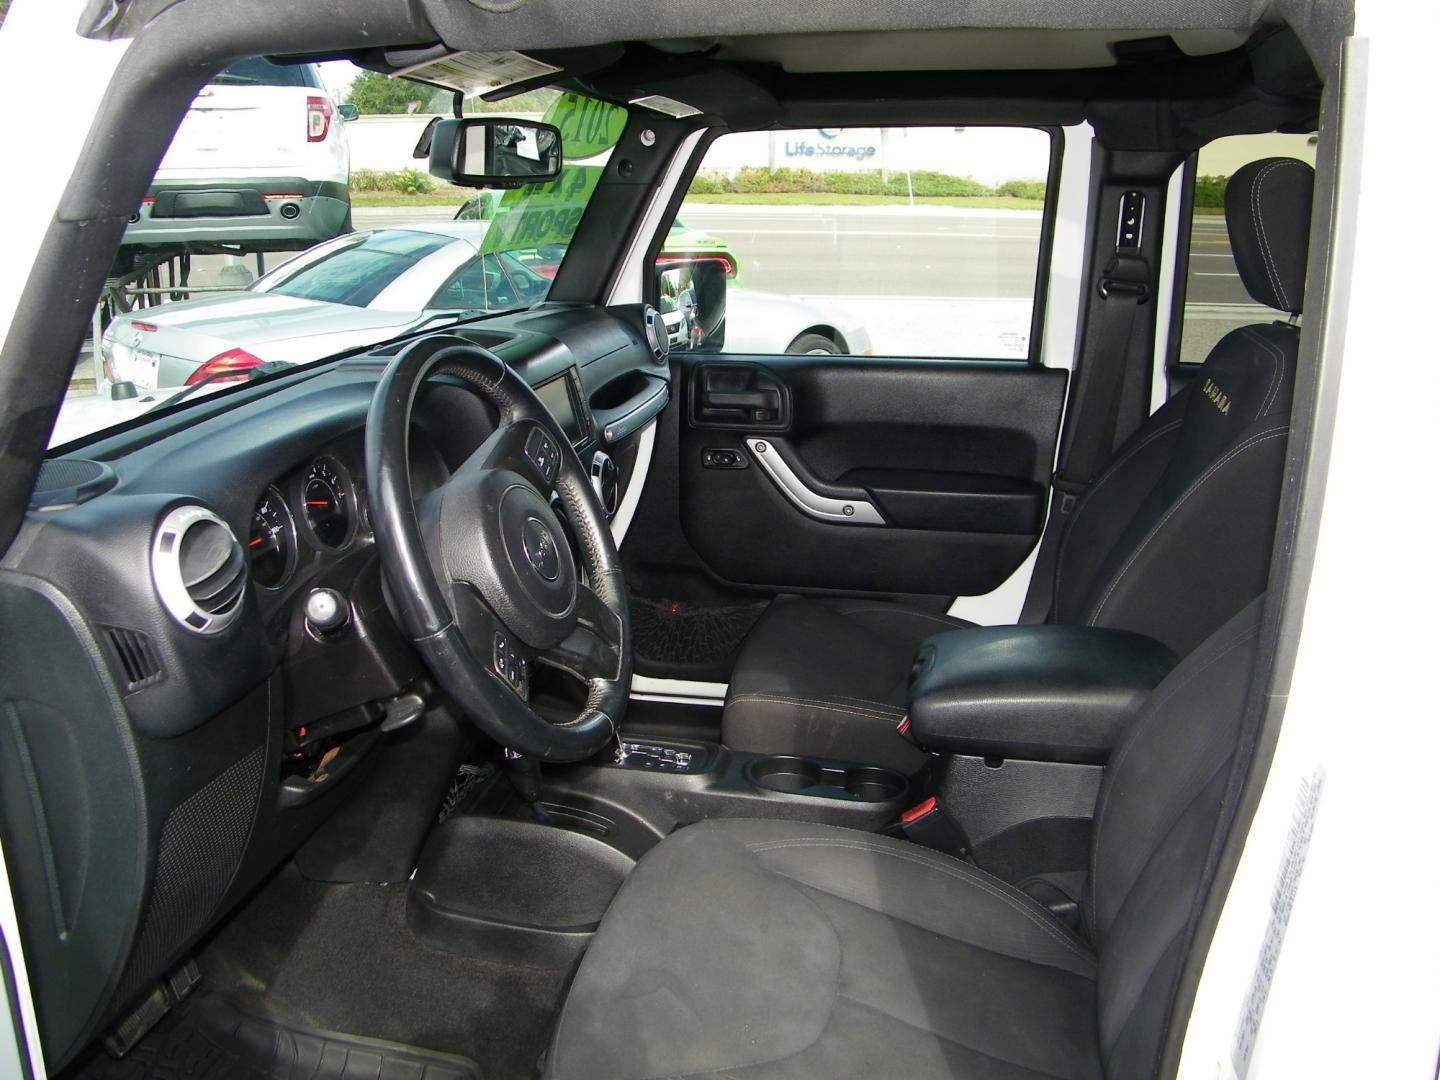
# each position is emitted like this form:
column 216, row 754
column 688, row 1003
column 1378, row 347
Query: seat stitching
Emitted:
column 906, row 613
column 948, row 1039
column 865, row 701
column 1111, row 471
column 1258, row 221
column 931, row 930
column 808, row 703
column 824, row 697
column 973, row 878
column 816, row 703
column 1275, row 374
column 1156, row 702
column 835, row 993
column 1253, row 441
column 840, row 942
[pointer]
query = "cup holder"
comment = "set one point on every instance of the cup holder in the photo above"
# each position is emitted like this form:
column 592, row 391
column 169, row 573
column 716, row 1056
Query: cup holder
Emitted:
column 824, row 780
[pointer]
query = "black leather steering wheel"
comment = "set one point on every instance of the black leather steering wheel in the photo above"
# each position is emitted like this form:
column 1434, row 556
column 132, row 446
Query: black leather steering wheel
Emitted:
column 480, row 573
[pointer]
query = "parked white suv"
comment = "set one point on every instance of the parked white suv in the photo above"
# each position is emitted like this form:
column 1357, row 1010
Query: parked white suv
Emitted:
column 260, row 160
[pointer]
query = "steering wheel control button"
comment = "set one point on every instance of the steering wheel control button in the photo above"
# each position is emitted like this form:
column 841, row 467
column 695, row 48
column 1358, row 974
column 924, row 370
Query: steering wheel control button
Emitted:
column 511, row 666
column 541, row 549
column 541, row 451
column 326, row 611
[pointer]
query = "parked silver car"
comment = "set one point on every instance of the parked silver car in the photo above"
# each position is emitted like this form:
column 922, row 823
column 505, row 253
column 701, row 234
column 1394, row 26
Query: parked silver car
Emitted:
column 368, row 286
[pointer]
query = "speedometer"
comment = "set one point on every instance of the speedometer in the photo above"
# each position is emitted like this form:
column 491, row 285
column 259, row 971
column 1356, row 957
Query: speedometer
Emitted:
column 271, row 547
column 329, row 502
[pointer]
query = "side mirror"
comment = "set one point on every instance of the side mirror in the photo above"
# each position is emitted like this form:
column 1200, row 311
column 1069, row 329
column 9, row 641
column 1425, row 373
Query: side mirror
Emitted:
column 348, row 111
column 692, row 303
column 494, row 152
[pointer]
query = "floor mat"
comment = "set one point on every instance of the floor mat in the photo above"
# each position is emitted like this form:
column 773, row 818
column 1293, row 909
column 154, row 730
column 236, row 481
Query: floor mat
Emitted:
column 672, row 632
column 340, row 958
column 207, row 1039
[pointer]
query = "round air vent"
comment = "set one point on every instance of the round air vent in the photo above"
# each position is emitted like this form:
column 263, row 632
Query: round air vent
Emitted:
column 656, row 335
column 199, row 569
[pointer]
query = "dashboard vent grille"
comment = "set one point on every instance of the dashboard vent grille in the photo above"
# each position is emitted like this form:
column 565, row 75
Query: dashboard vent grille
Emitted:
column 136, row 655
column 199, row 569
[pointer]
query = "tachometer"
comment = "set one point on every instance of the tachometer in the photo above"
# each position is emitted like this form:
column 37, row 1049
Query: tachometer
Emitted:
column 329, row 502
column 271, row 546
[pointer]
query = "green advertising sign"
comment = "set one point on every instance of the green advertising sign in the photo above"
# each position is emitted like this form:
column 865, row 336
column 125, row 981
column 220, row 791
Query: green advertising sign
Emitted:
column 540, row 214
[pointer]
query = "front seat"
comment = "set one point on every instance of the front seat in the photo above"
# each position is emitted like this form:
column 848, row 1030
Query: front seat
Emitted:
column 1170, row 540
column 766, row 949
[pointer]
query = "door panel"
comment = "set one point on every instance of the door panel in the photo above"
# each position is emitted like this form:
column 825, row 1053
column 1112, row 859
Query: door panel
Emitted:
column 951, row 458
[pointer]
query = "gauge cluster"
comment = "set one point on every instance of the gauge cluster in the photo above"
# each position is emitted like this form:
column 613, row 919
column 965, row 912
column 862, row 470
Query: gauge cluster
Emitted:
column 316, row 511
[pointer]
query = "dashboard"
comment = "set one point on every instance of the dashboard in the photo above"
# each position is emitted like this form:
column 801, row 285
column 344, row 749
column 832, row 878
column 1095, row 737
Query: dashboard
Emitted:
column 207, row 662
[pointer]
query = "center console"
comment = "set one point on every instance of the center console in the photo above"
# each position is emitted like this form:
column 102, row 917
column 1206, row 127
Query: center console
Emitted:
column 1022, row 720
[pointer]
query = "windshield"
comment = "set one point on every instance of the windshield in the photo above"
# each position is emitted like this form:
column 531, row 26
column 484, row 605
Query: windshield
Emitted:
column 290, row 221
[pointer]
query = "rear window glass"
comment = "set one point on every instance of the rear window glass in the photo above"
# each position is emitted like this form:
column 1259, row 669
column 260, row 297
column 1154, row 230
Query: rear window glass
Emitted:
column 358, row 273
column 257, row 71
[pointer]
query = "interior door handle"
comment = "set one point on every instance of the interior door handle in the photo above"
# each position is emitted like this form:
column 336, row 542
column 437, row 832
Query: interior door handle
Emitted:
column 854, row 510
column 751, row 399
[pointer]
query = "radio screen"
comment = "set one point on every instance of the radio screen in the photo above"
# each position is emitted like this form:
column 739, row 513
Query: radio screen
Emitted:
column 555, row 396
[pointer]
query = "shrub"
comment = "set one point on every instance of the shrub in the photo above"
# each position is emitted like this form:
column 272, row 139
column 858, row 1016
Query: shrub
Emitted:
column 405, row 182
column 707, row 185
column 1210, row 191
column 1022, row 189
column 926, row 183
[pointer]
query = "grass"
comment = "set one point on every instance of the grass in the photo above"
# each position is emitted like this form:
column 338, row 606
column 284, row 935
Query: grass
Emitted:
column 979, row 202
column 445, row 197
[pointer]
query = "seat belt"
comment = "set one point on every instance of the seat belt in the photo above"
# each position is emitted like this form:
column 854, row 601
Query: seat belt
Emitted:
column 1124, row 287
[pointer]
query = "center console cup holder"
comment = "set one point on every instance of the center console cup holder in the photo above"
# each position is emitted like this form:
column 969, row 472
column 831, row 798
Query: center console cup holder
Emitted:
column 793, row 775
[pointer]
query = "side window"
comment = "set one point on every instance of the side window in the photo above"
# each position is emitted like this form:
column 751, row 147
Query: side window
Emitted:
column 920, row 241
column 1215, row 300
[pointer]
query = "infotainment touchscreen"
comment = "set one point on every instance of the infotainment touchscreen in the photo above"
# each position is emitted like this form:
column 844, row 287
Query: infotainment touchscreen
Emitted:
column 555, row 395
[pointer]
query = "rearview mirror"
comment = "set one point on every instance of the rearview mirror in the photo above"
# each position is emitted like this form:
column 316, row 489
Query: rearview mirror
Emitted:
column 691, row 295
column 494, row 152
column 348, row 111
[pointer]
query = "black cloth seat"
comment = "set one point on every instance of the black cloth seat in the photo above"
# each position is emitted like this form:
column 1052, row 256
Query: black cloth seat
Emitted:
column 1170, row 539
column 764, row 949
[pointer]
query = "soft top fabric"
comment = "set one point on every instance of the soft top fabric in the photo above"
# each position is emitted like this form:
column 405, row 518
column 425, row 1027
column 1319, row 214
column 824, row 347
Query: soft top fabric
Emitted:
column 1267, row 211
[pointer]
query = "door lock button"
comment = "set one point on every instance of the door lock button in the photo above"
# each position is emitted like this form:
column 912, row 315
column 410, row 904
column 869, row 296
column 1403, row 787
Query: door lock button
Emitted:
column 722, row 457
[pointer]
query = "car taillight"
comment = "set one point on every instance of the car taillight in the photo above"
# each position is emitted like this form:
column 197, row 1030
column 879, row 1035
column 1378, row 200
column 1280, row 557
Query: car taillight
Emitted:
column 148, row 327
column 232, row 365
column 317, row 118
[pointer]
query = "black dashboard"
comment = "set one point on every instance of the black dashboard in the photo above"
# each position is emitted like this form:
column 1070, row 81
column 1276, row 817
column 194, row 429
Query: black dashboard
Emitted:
column 188, row 711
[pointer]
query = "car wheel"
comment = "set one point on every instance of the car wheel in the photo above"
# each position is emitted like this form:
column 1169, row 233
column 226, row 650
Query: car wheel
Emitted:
column 814, row 345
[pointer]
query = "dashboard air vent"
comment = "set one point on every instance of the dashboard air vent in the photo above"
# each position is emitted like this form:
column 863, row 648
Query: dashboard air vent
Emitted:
column 135, row 656
column 199, row 569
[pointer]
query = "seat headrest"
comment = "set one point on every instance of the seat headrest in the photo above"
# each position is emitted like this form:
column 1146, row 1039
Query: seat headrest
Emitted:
column 1267, row 212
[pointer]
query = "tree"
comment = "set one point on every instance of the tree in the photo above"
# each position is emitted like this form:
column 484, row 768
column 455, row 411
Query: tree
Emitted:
column 374, row 93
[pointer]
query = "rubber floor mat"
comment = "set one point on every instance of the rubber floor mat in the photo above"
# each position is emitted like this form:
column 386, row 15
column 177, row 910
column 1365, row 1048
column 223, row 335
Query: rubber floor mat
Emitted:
column 207, row 1039
column 672, row 632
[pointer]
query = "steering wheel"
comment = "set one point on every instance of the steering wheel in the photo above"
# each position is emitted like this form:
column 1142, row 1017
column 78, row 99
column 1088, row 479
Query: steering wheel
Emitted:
column 480, row 574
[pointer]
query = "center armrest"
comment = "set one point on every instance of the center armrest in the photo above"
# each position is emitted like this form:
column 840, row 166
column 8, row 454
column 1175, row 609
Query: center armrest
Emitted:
column 1040, row 693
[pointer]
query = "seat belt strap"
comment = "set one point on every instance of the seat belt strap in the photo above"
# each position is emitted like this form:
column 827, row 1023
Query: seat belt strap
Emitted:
column 1124, row 287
